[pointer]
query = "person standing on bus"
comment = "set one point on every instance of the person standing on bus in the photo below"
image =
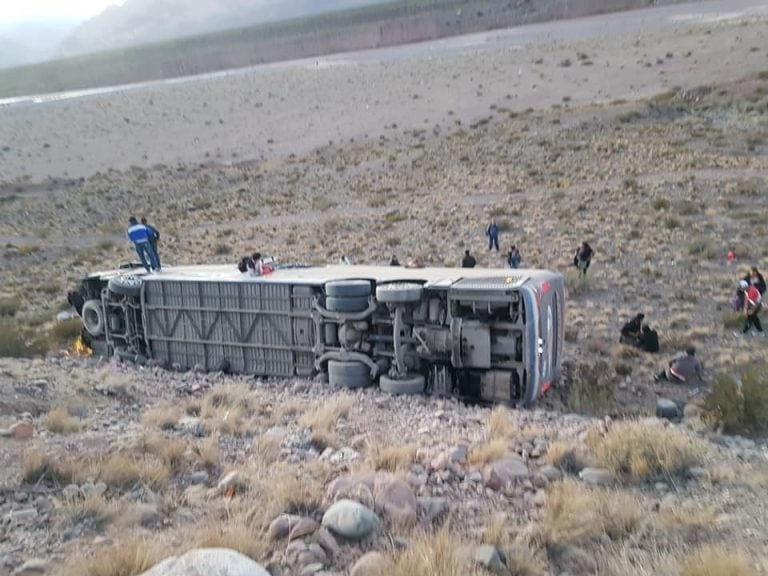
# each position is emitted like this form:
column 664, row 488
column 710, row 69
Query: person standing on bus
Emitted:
column 468, row 261
column 154, row 237
column 139, row 235
column 493, row 235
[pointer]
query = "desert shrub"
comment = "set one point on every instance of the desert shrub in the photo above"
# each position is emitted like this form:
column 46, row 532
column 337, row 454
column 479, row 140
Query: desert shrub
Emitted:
column 590, row 387
column 741, row 407
column 324, row 417
column 124, row 559
column 733, row 320
column 235, row 534
column 568, row 456
column 642, row 452
column 93, row 510
column 60, row 421
column 578, row 283
column 9, row 306
column 488, row 452
column 714, row 561
column 430, row 554
column 392, row 458
column 661, row 203
column 37, row 466
column 63, row 334
column 671, row 223
column 16, row 341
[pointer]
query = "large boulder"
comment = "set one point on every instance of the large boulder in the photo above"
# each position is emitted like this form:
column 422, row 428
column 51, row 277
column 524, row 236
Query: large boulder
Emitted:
column 206, row 562
column 503, row 472
column 350, row 519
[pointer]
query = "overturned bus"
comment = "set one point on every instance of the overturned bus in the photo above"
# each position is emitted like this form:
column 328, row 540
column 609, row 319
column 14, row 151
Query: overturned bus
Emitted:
column 491, row 334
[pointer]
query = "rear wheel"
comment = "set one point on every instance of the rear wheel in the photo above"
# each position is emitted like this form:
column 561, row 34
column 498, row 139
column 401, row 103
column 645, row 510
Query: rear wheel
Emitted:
column 346, row 304
column 128, row 285
column 399, row 293
column 348, row 374
column 93, row 318
column 411, row 384
column 347, row 288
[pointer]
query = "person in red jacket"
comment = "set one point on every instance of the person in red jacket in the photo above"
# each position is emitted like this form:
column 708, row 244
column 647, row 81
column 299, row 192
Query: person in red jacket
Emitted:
column 753, row 302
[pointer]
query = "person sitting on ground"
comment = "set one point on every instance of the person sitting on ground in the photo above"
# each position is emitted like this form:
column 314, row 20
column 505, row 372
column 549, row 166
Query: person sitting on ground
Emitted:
column 684, row 369
column 583, row 257
column 756, row 279
column 514, row 257
column 394, row 261
column 631, row 331
column 468, row 261
column 753, row 302
column 648, row 340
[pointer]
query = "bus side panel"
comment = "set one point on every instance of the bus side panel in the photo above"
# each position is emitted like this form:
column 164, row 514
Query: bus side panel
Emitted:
column 251, row 328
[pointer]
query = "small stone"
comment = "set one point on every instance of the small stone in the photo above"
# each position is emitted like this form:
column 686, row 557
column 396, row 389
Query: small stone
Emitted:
column 668, row 503
column 457, row 454
column 596, row 476
column 488, row 557
column 304, row 527
column 33, row 567
column 70, row 492
column 668, row 409
column 311, row 569
column 281, row 526
column 502, row 473
column 5, row 433
column 22, row 430
column 699, row 473
column 199, row 477
column 234, row 480
column 370, row 564
column 551, row 473
column 661, row 486
column 395, row 499
column 350, row 519
column 23, row 516
column 433, row 509
column 539, row 499
column 327, row 542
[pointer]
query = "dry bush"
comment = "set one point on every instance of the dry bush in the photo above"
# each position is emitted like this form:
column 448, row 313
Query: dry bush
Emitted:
column 123, row 471
column 578, row 284
column 124, row 559
column 265, row 450
column 37, row 466
column 641, row 452
column 485, row 453
column 714, row 561
column 207, row 452
column 496, row 532
column 689, row 521
column 17, row 341
column 501, row 424
column 576, row 514
column 286, row 411
column 523, row 561
column 430, row 555
column 631, row 560
column 63, row 334
column 321, row 440
column 93, row 509
column 235, row 534
column 568, row 456
column 9, row 306
column 225, row 410
column 163, row 416
column 59, row 421
column 741, row 406
column 170, row 451
column 392, row 458
column 324, row 418
column 624, row 351
column 591, row 387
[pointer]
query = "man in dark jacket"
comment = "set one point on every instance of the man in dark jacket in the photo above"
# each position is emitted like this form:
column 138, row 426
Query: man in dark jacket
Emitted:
column 493, row 235
column 631, row 331
column 468, row 261
column 649, row 340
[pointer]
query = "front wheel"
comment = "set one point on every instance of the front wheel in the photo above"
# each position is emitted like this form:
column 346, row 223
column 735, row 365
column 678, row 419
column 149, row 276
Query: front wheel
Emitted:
column 412, row 384
column 399, row 293
column 127, row 285
column 348, row 374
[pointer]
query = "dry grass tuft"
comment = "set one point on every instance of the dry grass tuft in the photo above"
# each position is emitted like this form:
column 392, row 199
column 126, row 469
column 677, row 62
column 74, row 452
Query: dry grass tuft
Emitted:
column 496, row 532
column 164, row 417
column 568, row 456
column 501, row 424
column 392, row 458
column 713, row 561
column 170, row 451
column 692, row 522
column 430, row 555
column 123, row 471
column 265, row 450
column 226, row 410
column 324, row 418
column 641, row 452
column 235, row 534
column 575, row 514
column 93, row 510
column 485, row 453
column 59, row 421
column 37, row 466
column 124, row 559
column 207, row 452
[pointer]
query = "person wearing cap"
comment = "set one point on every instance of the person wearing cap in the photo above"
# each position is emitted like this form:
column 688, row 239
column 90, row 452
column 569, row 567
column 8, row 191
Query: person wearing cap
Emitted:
column 684, row 369
column 140, row 235
column 753, row 302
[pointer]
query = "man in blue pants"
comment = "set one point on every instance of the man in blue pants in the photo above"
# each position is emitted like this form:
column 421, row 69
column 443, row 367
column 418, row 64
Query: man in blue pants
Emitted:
column 493, row 235
column 140, row 236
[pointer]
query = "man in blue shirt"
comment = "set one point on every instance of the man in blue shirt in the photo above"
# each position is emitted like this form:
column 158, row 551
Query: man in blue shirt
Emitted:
column 140, row 236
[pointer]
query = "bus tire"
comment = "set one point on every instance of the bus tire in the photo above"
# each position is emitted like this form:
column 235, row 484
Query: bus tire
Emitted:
column 346, row 304
column 399, row 293
column 348, row 374
column 412, row 384
column 127, row 285
column 93, row 318
column 348, row 288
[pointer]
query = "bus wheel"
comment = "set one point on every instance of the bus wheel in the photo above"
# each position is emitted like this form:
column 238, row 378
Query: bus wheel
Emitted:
column 128, row 285
column 413, row 384
column 93, row 318
column 399, row 293
column 348, row 374
column 347, row 288
column 346, row 304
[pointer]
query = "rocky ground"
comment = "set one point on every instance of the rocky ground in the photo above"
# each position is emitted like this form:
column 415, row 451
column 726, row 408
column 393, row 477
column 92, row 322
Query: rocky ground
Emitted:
column 107, row 468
